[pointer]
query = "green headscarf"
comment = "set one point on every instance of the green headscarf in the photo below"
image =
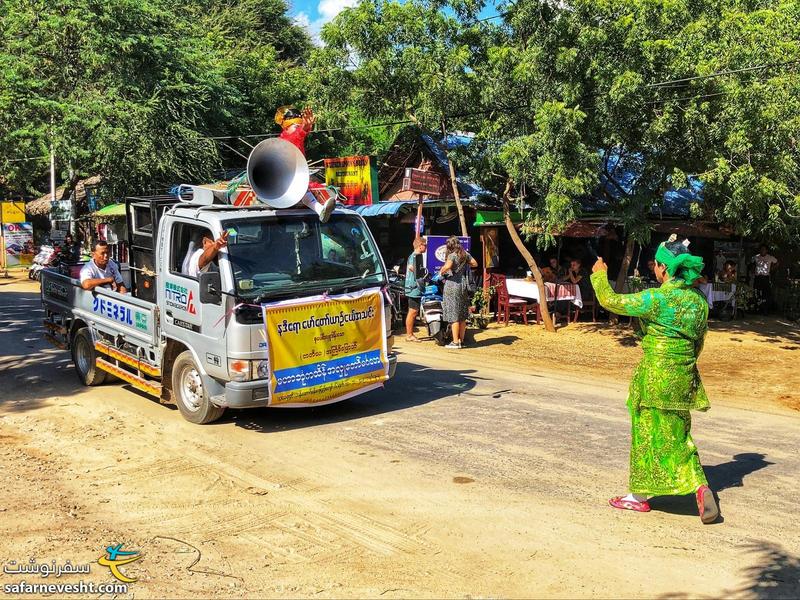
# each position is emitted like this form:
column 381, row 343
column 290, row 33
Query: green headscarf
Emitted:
column 680, row 263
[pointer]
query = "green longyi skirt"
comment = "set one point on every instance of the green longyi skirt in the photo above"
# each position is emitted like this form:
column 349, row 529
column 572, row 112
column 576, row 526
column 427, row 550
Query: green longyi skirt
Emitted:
column 664, row 459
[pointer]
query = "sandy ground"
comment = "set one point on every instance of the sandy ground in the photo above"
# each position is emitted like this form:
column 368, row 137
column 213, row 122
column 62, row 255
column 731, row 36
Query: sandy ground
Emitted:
column 752, row 362
column 476, row 473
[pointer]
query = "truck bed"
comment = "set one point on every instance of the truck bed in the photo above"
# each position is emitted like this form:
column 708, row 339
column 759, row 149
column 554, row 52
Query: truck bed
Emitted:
column 102, row 310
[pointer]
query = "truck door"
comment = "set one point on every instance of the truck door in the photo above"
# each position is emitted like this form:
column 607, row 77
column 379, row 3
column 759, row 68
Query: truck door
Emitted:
column 199, row 325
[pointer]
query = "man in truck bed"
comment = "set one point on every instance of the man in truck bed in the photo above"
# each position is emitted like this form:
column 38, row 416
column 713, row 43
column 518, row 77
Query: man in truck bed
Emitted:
column 101, row 271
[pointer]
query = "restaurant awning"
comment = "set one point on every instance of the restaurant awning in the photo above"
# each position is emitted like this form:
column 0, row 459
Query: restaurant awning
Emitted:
column 112, row 210
column 493, row 218
column 381, row 208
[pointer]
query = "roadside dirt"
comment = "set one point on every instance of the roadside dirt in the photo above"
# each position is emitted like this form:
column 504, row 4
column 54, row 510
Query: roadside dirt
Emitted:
column 752, row 362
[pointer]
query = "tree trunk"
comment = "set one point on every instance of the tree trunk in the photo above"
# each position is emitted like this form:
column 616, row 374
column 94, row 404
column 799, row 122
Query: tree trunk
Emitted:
column 623, row 273
column 537, row 274
column 453, row 183
column 626, row 265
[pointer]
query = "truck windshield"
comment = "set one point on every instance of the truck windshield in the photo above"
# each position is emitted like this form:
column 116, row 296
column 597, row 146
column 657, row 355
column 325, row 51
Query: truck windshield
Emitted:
column 294, row 255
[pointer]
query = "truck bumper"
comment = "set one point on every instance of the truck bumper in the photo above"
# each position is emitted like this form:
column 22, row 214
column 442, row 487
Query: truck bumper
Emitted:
column 252, row 394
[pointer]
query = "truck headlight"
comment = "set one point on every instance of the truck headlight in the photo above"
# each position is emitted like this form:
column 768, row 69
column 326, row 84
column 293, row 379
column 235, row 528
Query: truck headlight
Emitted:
column 260, row 369
column 239, row 369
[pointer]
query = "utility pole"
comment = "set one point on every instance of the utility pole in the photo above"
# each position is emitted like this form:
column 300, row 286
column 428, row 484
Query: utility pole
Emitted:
column 52, row 184
column 3, row 247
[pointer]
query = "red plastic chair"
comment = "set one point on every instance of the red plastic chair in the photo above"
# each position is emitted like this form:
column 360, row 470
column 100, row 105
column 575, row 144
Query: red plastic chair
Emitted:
column 508, row 306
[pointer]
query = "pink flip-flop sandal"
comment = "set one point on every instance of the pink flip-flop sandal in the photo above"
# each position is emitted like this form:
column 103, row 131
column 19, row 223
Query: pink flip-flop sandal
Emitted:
column 707, row 505
column 622, row 504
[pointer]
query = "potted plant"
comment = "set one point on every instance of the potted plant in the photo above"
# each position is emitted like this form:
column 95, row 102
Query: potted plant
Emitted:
column 479, row 310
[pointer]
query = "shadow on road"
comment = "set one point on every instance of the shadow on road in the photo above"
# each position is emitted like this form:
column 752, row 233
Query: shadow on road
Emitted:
column 732, row 473
column 413, row 385
column 31, row 370
column 720, row 477
column 505, row 340
column 774, row 574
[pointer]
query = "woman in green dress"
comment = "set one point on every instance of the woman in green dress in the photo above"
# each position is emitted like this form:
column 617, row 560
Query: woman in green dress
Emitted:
column 666, row 384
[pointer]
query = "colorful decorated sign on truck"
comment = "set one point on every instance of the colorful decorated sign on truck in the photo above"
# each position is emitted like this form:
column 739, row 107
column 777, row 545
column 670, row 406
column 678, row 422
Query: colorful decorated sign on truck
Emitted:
column 327, row 348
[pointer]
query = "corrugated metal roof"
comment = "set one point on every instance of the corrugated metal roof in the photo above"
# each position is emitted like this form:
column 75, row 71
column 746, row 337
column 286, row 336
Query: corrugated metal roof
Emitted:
column 468, row 189
column 380, row 208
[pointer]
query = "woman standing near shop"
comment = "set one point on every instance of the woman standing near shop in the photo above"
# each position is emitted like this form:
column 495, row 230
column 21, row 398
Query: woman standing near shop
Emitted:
column 455, row 307
column 666, row 385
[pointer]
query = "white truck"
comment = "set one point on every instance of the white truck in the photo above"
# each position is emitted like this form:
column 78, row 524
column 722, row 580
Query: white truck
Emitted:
column 200, row 342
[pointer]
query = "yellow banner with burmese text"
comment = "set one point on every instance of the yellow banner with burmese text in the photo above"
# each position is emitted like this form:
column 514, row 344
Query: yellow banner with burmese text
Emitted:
column 326, row 349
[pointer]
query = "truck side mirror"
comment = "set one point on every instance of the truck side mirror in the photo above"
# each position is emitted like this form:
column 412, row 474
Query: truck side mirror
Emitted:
column 210, row 288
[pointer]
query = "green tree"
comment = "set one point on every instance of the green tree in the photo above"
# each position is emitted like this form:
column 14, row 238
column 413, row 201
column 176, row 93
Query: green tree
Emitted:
column 132, row 89
column 642, row 83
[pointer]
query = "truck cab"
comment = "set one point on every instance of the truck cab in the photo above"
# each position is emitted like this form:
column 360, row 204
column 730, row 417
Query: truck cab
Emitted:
column 200, row 340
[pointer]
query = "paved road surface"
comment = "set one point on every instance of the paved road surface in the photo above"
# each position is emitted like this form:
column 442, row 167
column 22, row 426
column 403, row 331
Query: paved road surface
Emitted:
column 461, row 478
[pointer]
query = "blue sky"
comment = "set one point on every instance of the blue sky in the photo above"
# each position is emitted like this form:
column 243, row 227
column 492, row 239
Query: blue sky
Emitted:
column 313, row 14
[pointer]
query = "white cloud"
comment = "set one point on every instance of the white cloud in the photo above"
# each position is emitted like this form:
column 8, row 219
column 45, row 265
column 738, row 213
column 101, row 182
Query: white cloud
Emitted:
column 302, row 19
column 328, row 9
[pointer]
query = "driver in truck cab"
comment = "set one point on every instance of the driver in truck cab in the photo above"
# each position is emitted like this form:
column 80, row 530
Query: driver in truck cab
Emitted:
column 101, row 271
column 207, row 249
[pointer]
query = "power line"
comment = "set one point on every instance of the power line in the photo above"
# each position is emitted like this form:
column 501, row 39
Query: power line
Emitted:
column 722, row 73
column 498, row 16
column 329, row 130
column 44, row 157
column 698, row 97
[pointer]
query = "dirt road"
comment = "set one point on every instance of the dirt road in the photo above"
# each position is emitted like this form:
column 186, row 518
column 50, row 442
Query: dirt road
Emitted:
column 461, row 478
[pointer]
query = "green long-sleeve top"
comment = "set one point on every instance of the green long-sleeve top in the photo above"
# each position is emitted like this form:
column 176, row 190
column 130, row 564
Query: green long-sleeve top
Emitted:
column 674, row 320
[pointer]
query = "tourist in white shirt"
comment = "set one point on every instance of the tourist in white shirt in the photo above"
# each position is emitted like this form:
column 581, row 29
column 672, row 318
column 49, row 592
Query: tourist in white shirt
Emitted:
column 101, row 271
column 764, row 264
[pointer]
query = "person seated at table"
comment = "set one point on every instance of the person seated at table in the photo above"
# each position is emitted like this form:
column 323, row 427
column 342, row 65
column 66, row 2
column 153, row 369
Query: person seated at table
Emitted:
column 579, row 276
column 559, row 271
column 728, row 273
column 549, row 274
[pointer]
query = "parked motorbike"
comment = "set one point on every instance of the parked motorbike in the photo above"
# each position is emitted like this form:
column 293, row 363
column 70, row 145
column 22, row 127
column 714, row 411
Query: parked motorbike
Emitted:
column 50, row 256
column 432, row 313
column 43, row 259
column 396, row 292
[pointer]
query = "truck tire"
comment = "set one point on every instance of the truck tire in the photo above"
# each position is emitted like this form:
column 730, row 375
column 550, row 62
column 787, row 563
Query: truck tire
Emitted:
column 190, row 394
column 84, row 358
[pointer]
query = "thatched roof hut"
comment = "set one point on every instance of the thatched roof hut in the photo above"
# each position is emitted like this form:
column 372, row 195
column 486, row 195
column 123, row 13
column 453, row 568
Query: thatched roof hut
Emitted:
column 41, row 206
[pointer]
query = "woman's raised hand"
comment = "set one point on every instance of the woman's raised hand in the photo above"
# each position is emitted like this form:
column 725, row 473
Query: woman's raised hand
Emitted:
column 600, row 265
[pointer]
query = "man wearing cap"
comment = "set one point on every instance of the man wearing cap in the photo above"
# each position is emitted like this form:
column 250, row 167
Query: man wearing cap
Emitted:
column 666, row 384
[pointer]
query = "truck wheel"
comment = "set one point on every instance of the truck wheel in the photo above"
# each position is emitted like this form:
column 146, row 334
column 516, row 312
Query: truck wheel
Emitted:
column 84, row 358
column 190, row 394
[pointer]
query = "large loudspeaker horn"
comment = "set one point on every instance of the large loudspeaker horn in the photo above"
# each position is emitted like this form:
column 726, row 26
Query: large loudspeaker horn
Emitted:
column 278, row 173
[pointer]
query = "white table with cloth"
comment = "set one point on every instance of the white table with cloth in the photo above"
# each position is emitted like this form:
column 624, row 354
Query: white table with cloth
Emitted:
column 522, row 288
column 719, row 295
